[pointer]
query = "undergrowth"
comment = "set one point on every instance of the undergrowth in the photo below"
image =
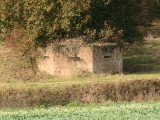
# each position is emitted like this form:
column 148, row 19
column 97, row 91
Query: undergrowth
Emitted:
column 95, row 92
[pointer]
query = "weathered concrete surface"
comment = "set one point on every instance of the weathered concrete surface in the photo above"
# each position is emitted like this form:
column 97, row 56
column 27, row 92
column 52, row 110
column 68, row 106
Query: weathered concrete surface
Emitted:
column 107, row 60
column 95, row 59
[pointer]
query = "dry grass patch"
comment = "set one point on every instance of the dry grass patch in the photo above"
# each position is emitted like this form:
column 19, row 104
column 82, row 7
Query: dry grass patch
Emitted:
column 28, row 95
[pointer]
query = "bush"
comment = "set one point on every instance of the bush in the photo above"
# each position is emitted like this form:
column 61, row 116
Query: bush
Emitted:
column 49, row 20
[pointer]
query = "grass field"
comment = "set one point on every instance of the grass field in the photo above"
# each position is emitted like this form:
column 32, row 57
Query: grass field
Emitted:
column 62, row 82
column 127, row 111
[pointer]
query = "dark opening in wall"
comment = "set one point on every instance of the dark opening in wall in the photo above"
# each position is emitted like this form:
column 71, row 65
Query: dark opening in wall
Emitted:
column 46, row 57
column 107, row 57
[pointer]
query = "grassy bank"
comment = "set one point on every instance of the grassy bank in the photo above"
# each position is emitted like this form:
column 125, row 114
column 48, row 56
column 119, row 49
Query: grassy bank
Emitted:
column 128, row 111
column 144, row 57
column 31, row 94
column 141, row 58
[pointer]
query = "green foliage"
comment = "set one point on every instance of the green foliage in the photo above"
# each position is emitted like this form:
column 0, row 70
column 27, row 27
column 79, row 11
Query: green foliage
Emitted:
column 126, row 111
column 43, row 106
column 151, row 10
column 48, row 20
column 154, row 10
column 75, row 104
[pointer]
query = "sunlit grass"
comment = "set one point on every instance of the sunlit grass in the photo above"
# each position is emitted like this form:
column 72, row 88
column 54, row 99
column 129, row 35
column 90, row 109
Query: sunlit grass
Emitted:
column 64, row 82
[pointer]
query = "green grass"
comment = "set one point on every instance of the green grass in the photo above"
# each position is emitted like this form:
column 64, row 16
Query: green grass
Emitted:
column 141, row 58
column 64, row 82
column 2, row 62
column 141, row 63
column 127, row 111
column 144, row 57
column 155, row 27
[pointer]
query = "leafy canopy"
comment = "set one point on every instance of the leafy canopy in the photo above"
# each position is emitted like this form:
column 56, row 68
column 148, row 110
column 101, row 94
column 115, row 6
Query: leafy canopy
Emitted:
column 51, row 20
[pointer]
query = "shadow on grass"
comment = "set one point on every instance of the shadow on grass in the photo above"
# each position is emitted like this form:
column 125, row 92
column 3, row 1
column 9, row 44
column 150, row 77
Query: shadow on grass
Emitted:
column 141, row 64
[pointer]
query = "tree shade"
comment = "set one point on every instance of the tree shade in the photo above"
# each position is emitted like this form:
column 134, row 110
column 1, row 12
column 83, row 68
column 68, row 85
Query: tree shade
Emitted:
column 52, row 20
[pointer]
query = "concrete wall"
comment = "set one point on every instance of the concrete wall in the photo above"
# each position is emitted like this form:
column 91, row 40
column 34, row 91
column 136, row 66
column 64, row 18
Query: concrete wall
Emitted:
column 45, row 61
column 86, row 56
column 65, row 63
column 97, row 59
column 107, row 59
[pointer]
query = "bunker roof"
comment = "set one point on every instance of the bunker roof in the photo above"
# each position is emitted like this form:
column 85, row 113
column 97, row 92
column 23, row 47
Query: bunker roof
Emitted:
column 80, row 42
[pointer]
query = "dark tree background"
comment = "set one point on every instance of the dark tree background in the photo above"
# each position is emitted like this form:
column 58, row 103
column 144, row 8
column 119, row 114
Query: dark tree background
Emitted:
column 46, row 21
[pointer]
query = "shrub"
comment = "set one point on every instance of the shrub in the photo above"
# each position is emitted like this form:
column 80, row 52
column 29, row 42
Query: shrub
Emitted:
column 49, row 20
